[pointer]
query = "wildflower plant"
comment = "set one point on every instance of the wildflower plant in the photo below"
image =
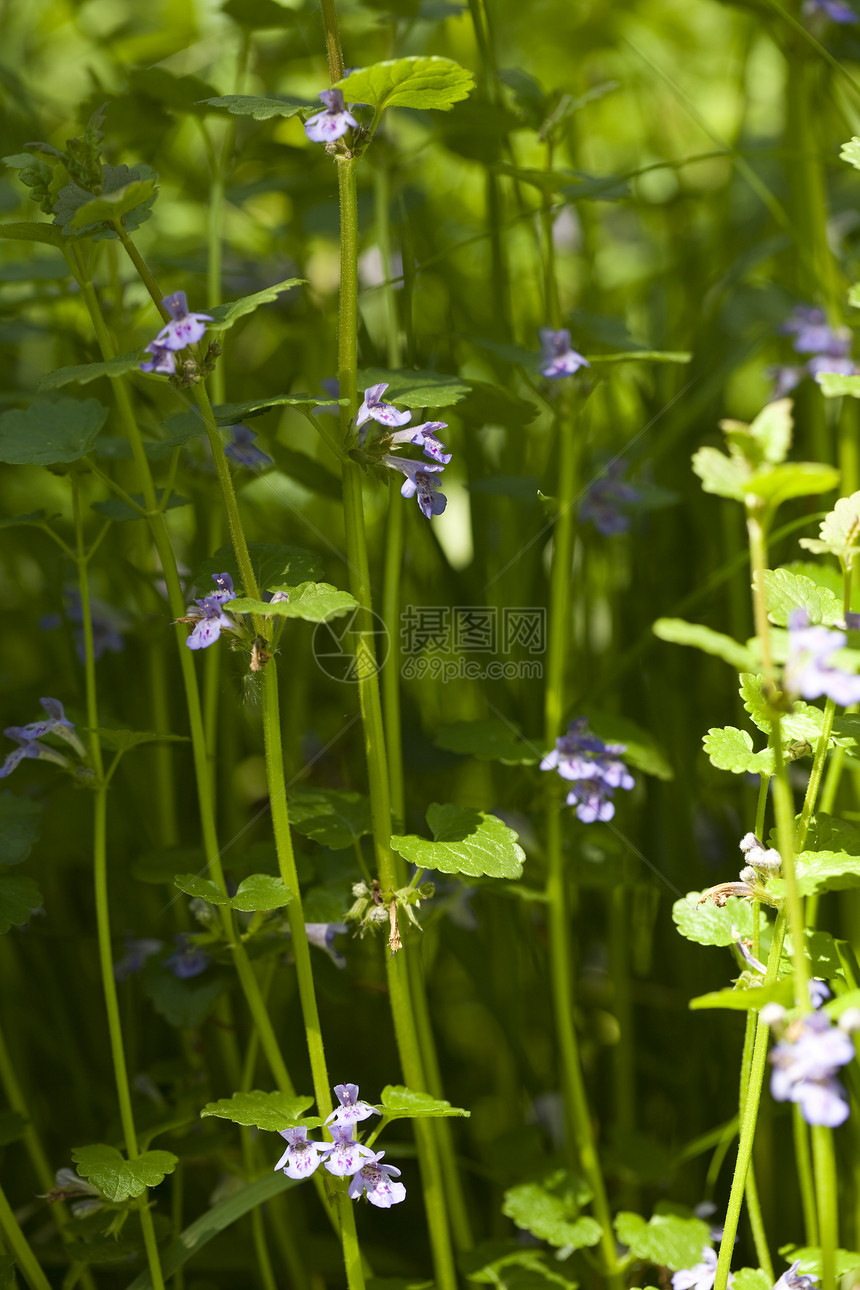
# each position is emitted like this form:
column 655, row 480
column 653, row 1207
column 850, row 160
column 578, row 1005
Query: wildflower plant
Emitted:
column 303, row 724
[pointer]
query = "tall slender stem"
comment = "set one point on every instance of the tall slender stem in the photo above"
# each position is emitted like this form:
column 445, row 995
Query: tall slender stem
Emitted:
column 19, row 1247
column 827, row 1197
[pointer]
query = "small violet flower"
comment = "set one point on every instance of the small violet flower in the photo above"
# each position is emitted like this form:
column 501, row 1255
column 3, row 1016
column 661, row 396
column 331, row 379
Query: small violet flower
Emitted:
column 137, row 951
column 209, row 618
column 805, row 1062
column 593, row 767
column 351, row 1109
column 334, row 122
column 792, row 1279
column 187, row 960
column 604, row 499
column 835, row 10
column 385, row 413
column 322, row 935
column 700, row 1277
column 558, row 357
column 420, row 482
column 242, row 449
column 184, row 328
column 301, row 1157
column 828, row 346
column 376, row 1180
column 28, row 738
column 425, row 436
column 807, row 669
column 162, row 362
column 345, row 1156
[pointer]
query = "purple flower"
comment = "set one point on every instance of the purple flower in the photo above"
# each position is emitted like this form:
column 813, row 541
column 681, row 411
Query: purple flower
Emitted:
column 419, row 480
column 187, row 960
column 823, row 363
column 323, row 934
column 819, row 992
column 805, row 1062
column 785, row 379
column 210, row 620
column 376, row 1180
column 184, row 328
column 605, row 497
column 835, row 10
column 594, row 768
column 791, row 1279
column 28, row 737
column 813, row 334
column 700, row 1277
column 332, row 387
column 351, row 1109
column 345, row 1156
column 558, row 357
column 137, row 951
column 301, row 1157
column 162, row 362
column 807, row 668
column 425, row 436
column 225, row 592
column 329, row 125
column 385, row 413
column 242, row 449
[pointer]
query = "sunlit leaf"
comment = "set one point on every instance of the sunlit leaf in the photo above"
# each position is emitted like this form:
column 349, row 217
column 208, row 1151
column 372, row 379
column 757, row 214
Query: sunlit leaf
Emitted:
column 465, row 841
column 334, row 817
column 269, row 1111
column 416, row 82
column 261, row 109
column 120, row 1179
column 399, row 1102
column 224, row 316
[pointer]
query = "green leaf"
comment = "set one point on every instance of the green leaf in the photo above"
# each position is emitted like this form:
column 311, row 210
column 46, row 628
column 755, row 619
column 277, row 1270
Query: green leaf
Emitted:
column 87, row 372
column 679, row 632
column 333, row 817
column 224, row 316
column 641, row 751
column 835, row 386
column 215, row 1220
column 803, row 722
column 502, row 1264
column 18, row 897
column 851, row 152
column 549, row 1216
column 276, row 564
column 34, row 519
column 260, row 891
column 20, row 824
column 185, row 1004
column 824, row 871
column 33, row 232
column 261, row 109
column 746, row 1000
column 810, row 1259
column 119, row 1179
column 409, row 82
column 110, row 207
column 771, row 431
column 667, row 1240
column 490, row 740
column 839, row 533
column 417, row 389
column 258, row 15
column 314, row 601
column 115, row 508
column 732, row 749
column 46, row 434
column 399, row 1103
column 709, row 924
column 794, row 479
column 725, row 476
column 269, row 1111
column 786, row 591
column 230, row 413
column 466, row 841
column 751, row 1279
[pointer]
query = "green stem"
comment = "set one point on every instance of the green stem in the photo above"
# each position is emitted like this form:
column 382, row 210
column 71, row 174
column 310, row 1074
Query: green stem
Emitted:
column 102, row 902
column 816, row 773
column 749, row 1118
column 19, row 1247
column 827, row 1197
column 751, row 1191
column 805, row 1180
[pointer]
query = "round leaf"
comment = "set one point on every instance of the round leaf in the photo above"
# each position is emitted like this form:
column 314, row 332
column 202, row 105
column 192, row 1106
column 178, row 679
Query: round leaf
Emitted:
column 409, row 82
column 466, row 841
column 46, row 434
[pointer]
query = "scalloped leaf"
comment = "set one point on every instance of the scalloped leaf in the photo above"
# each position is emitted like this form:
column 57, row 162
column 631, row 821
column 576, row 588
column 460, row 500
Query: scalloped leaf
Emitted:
column 549, row 1216
column 418, row 389
column 110, row 207
column 260, row 108
column 835, row 386
column 50, row 433
column 316, row 602
column 224, row 316
column 668, row 1240
column 20, row 825
column 119, row 1179
column 258, row 892
column 258, row 1110
column 746, row 1000
column 725, row 476
column 416, row 82
column 334, row 817
column 851, row 152
column 490, row 740
column 18, row 898
column 793, row 479
column 786, row 591
column 276, row 564
column 709, row 924
column 87, row 372
column 839, row 533
column 802, row 723
column 732, row 749
column 465, row 841
column 230, row 413
column 810, row 1259
column 399, row 1103
column 679, row 632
